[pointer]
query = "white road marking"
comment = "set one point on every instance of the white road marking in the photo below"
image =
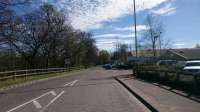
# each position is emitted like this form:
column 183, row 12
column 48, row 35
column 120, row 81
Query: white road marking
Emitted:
column 37, row 104
column 53, row 93
column 52, row 101
column 71, row 83
column 28, row 102
column 67, row 84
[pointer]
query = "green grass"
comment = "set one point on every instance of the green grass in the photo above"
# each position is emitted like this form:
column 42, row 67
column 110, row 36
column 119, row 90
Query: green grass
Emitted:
column 10, row 82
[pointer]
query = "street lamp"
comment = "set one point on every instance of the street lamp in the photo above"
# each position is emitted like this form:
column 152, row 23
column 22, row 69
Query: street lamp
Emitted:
column 160, row 42
column 135, row 21
column 136, row 46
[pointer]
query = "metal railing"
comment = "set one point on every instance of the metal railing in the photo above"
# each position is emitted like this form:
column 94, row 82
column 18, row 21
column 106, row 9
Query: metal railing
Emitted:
column 31, row 72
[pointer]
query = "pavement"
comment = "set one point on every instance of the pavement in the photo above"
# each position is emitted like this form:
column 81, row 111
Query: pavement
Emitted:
column 91, row 90
column 159, row 98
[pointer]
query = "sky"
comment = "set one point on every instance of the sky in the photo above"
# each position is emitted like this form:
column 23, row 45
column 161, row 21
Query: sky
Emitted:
column 111, row 21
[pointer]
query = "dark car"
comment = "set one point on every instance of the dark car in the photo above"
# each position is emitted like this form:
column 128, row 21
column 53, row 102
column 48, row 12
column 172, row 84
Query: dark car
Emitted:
column 122, row 66
column 166, row 62
column 107, row 66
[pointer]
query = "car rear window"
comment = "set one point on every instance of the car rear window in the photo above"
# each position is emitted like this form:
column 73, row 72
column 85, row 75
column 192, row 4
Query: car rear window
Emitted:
column 193, row 64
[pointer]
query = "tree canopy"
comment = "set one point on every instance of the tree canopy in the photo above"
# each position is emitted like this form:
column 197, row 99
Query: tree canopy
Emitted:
column 41, row 39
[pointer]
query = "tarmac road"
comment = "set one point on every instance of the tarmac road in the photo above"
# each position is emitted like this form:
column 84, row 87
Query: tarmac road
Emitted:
column 91, row 90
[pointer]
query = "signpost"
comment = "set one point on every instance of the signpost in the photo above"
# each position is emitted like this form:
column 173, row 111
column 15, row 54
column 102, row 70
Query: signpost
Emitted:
column 67, row 63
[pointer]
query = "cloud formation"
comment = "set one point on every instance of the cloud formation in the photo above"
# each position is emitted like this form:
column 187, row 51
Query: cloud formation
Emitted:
column 132, row 28
column 166, row 10
column 113, row 35
column 108, row 41
column 89, row 14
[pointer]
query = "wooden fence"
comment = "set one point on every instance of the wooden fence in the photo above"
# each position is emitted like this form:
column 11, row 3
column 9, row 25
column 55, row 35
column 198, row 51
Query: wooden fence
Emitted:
column 31, row 72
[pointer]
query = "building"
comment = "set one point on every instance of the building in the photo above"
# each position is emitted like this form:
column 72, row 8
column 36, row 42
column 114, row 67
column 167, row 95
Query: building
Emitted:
column 181, row 54
column 167, row 54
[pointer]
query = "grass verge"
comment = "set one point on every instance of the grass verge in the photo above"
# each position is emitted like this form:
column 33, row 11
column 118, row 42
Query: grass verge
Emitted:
column 11, row 82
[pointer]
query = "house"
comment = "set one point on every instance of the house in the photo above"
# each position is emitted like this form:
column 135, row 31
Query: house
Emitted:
column 168, row 54
column 181, row 54
column 143, row 57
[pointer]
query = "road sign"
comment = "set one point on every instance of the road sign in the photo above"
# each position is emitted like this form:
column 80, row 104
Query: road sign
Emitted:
column 67, row 61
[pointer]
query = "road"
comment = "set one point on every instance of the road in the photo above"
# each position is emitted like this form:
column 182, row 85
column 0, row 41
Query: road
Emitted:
column 91, row 90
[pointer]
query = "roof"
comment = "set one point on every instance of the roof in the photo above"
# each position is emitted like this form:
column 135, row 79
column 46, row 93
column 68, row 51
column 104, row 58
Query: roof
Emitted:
column 189, row 53
column 186, row 53
column 149, row 52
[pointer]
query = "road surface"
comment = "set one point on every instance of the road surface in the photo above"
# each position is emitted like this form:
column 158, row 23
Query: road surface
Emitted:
column 91, row 90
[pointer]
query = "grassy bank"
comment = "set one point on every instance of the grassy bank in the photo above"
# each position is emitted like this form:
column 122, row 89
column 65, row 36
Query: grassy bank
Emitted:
column 10, row 82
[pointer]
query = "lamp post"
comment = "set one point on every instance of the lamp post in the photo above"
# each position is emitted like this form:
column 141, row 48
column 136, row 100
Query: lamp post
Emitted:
column 136, row 46
column 160, row 42
column 135, row 26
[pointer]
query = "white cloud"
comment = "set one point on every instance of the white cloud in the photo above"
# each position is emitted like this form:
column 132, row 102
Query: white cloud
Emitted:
column 84, row 14
column 179, row 45
column 108, row 41
column 106, row 46
column 132, row 28
column 107, row 35
column 114, row 35
column 167, row 10
column 95, row 26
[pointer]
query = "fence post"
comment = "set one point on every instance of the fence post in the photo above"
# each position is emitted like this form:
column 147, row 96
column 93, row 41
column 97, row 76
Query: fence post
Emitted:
column 158, row 72
column 15, row 75
column 196, row 82
column 26, row 75
column 177, row 77
column 166, row 75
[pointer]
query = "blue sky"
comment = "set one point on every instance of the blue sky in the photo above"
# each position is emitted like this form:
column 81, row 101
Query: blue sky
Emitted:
column 112, row 20
column 181, row 26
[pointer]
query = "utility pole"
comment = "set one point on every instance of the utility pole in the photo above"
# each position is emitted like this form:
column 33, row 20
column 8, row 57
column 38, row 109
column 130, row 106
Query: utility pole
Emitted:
column 160, row 43
column 135, row 21
column 136, row 46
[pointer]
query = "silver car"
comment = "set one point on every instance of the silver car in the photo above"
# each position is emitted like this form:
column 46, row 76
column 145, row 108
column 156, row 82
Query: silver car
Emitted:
column 192, row 67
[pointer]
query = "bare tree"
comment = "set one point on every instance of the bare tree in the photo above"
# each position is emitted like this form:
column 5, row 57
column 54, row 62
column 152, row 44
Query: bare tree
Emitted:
column 153, row 34
column 6, row 9
column 53, row 23
column 104, row 57
column 123, row 52
column 45, row 38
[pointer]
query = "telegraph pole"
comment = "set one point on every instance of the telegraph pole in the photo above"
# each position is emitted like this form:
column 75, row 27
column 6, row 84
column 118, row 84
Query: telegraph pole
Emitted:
column 160, row 42
column 135, row 25
column 136, row 46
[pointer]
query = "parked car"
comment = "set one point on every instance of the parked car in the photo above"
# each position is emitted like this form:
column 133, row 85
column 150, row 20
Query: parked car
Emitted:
column 107, row 66
column 114, row 66
column 166, row 63
column 180, row 65
column 123, row 66
column 192, row 67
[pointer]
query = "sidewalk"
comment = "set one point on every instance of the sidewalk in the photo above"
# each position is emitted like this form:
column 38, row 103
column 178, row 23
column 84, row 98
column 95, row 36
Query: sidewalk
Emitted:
column 161, row 99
